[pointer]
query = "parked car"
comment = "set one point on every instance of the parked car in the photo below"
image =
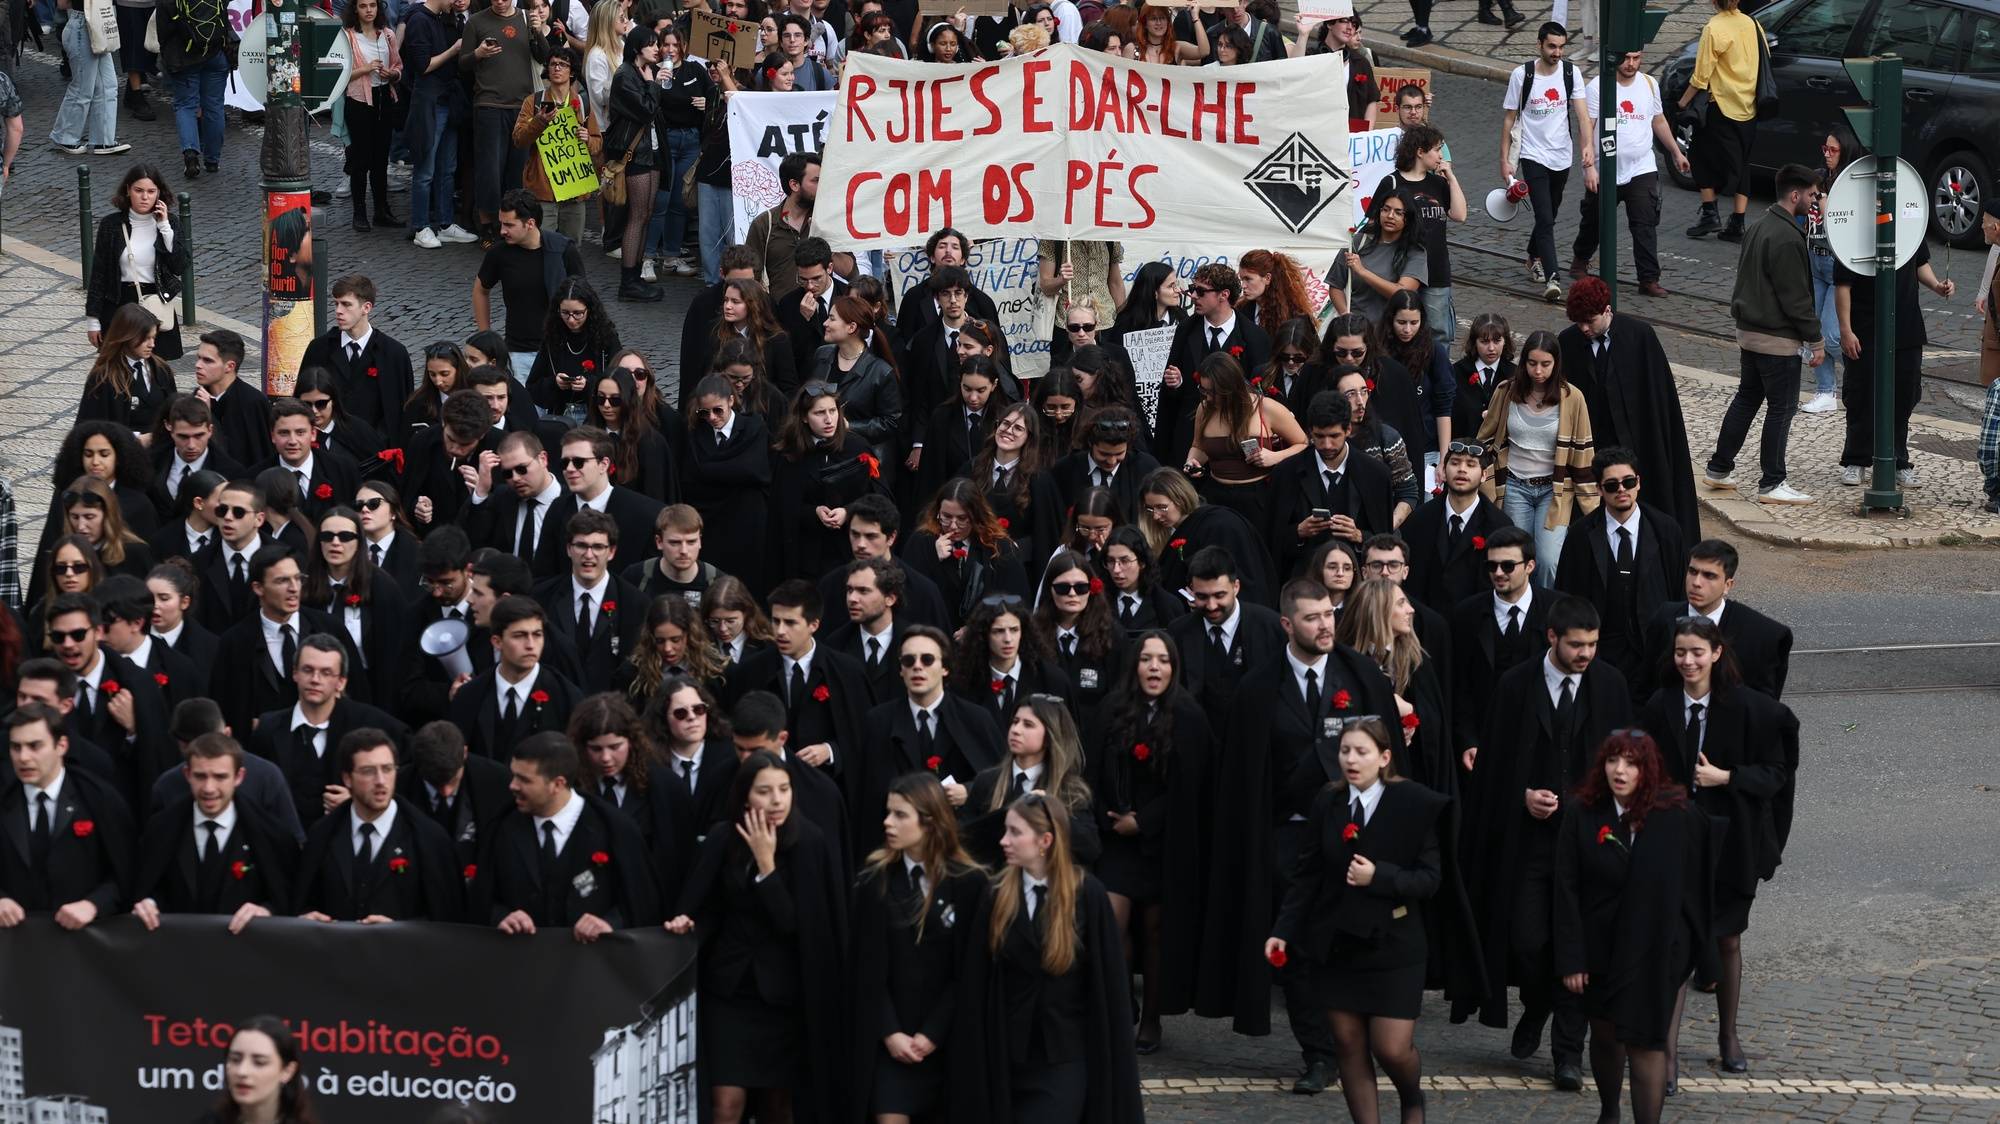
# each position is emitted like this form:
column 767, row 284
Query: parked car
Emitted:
column 1951, row 92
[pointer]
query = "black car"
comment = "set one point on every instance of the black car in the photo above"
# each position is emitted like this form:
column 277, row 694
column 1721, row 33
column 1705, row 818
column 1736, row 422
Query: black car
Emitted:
column 1951, row 92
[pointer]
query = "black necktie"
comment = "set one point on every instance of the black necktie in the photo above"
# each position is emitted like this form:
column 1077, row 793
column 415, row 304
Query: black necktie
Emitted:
column 1020, row 785
column 1565, row 711
column 302, row 736
column 239, row 579
column 1069, row 645
column 951, row 340
column 86, row 712
column 1355, row 811
column 511, row 713
column 303, row 488
column 1312, row 692
column 549, row 851
column 441, row 808
column 972, row 430
column 1216, row 650
column 1513, row 622
column 1040, row 900
column 1214, row 338
column 720, row 437
column 874, row 654
column 524, row 546
column 1331, row 481
column 795, row 690
column 212, row 849
column 1691, row 737
column 453, row 613
column 43, row 832
column 613, row 792
column 926, row 739
column 353, row 353
column 1128, row 608
column 200, row 543
column 1103, row 478
column 1457, row 529
column 583, row 617
column 687, row 775
column 139, row 375
column 1624, row 550
column 1006, row 695
column 1000, row 479
column 366, row 849
column 288, row 650
column 375, row 553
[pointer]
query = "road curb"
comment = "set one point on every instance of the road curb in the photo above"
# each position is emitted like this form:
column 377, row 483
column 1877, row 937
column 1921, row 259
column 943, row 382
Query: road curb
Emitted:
column 1749, row 518
column 1450, row 60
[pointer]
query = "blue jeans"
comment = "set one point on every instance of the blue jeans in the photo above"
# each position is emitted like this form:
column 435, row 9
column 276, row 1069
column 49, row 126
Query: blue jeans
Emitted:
column 718, row 225
column 1527, row 507
column 521, row 362
column 1829, row 321
column 89, row 108
column 667, row 233
column 434, row 145
column 198, row 89
column 1442, row 317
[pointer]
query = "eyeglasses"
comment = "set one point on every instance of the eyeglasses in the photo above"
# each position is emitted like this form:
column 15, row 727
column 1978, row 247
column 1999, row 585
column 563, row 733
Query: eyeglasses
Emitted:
column 1830, row 148
column 1011, row 425
column 591, row 547
column 71, row 567
column 338, row 536
column 1350, row 353
column 944, row 520
column 517, row 470
column 1619, row 484
column 231, row 511
column 1081, row 327
column 1291, row 359
column 73, row 636
column 1201, row 290
column 317, row 404
column 370, row 504
column 912, row 659
column 1338, row 567
column 1503, row 566
column 82, row 499
column 610, row 399
column 577, row 463
column 568, row 314
column 683, row 713
column 1069, row 589
column 1381, row 566
column 1464, row 448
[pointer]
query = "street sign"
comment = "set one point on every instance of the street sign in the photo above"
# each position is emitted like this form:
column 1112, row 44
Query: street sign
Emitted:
column 1850, row 213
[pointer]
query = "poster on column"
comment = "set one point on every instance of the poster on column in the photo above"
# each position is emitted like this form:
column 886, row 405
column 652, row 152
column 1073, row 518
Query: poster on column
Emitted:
column 1005, row 269
column 763, row 130
column 288, row 287
column 1077, row 144
column 115, row 1023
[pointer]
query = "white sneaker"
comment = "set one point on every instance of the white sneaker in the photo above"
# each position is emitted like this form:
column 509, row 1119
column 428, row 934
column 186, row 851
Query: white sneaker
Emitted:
column 1554, row 292
column 1906, row 478
column 1783, row 493
column 681, row 267
column 1850, row 476
column 341, row 191
column 427, row 239
column 111, row 149
column 1725, row 482
column 1536, row 273
column 456, row 233
column 615, row 252
column 646, row 271
column 1821, row 404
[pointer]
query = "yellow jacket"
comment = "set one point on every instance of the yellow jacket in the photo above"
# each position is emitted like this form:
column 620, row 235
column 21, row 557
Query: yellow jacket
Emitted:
column 1726, row 64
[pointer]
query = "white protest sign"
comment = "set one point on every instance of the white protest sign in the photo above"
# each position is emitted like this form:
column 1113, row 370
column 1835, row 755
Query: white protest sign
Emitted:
column 1372, row 155
column 1075, row 144
column 763, row 130
column 1005, row 269
column 1149, row 350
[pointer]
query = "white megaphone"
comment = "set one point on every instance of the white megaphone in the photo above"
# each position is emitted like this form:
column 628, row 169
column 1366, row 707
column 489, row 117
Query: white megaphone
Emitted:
column 1503, row 203
column 446, row 641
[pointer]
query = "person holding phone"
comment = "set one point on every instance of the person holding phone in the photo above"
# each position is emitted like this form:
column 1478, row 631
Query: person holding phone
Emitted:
column 501, row 49
column 137, row 255
column 538, row 112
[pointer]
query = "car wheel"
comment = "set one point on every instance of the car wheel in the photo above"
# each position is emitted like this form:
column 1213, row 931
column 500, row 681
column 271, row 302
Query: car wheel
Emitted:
column 1684, row 133
column 1960, row 185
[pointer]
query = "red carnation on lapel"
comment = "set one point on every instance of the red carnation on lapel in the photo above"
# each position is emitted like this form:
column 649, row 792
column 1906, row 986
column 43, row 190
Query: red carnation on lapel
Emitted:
column 610, row 606
column 391, row 456
column 1349, row 832
column 1371, row 386
column 1004, row 525
column 399, row 865
column 600, row 858
column 1236, row 351
column 1475, row 378
column 471, row 871
column 109, row 686
column 239, row 869
column 1604, row 834
column 354, row 600
column 372, row 373
column 1411, row 722
column 1479, row 542
column 160, row 677
column 1177, row 544
column 323, row 492
column 874, row 466
column 1142, row 752
column 1342, row 700
column 821, row 694
column 933, row 762
column 999, row 686
column 590, row 364
column 958, row 554
column 1277, row 958
column 539, row 697
column 82, row 829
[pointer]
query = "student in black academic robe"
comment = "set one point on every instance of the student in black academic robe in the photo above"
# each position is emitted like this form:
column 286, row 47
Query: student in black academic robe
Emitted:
column 247, row 683
column 409, row 872
column 1633, row 399
column 252, row 865
column 311, row 763
column 1151, row 765
column 1194, row 340
column 1044, row 751
column 1192, row 526
column 957, row 430
column 1137, row 599
column 770, row 903
column 1737, row 751
column 1494, row 635
column 1073, row 614
column 1043, row 1032
column 1337, row 478
column 911, row 918
column 334, row 428
column 1761, row 647
column 1251, row 639
column 1625, row 591
column 1002, row 660
column 1378, row 618
column 519, row 695
column 1446, row 567
column 821, row 468
column 757, row 723
column 376, row 381
column 463, row 794
column 85, row 859
column 826, row 702
column 958, row 739
column 430, row 466
column 960, row 546
column 617, row 610
column 1489, row 359
column 1359, row 898
column 371, row 607
column 689, row 782
column 1632, row 914
column 1534, row 743
column 725, row 473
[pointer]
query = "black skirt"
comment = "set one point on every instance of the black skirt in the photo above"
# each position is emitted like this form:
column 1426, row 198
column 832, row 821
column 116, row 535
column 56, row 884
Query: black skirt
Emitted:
column 1129, row 868
column 908, row 1090
column 751, row 1044
column 1353, row 980
column 1722, row 152
column 167, row 344
column 1732, row 912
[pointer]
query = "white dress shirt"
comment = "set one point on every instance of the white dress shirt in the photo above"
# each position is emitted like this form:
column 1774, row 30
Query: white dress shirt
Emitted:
column 596, row 592
column 1318, row 667
column 172, row 635
column 1688, row 703
column 382, row 823
column 521, row 690
column 225, row 823
column 319, row 729
column 1228, row 627
column 550, row 492
column 182, row 469
column 1611, row 525
column 1500, row 607
column 274, row 639
column 1370, row 798
column 1029, row 884
column 53, row 790
column 1553, row 676
column 565, row 821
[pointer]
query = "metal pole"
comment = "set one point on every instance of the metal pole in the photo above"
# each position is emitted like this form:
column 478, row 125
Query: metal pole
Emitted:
column 83, row 226
column 1884, row 495
column 1611, row 34
column 187, row 277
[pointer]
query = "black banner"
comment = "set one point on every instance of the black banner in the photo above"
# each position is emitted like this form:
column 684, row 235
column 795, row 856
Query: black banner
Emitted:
column 392, row 1020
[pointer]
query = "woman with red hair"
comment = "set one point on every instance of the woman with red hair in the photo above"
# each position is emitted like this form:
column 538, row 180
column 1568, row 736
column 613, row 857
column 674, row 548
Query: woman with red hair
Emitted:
column 1274, row 289
column 1632, row 905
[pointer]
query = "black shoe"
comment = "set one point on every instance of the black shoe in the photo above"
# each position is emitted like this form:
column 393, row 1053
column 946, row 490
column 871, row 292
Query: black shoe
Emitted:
column 1417, row 37
column 1527, row 1036
column 1732, row 1063
column 191, row 164
column 1673, row 1086
column 1313, row 1081
column 1145, row 1045
column 362, row 225
column 1707, row 221
column 1489, row 17
column 1569, row 1077
column 1514, row 18
column 631, row 288
column 383, row 217
column 1734, row 231
column 136, row 101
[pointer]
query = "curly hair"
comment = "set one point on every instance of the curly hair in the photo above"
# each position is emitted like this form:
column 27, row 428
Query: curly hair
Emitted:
column 604, row 714
column 972, row 657
column 1656, row 790
column 1284, row 295
column 699, row 655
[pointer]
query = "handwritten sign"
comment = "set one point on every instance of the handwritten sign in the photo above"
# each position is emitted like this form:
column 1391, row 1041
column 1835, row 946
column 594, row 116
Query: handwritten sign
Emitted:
column 1149, row 350
column 565, row 157
column 1005, row 269
column 1391, row 79
column 720, row 39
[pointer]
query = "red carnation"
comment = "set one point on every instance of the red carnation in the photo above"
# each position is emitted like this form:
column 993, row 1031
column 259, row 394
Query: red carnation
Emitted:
column 1438, row 491
column 392, row 456
column 1276, row 957
column 160, row 677
column 933, row 762
column 1004, row 525
column 1349, row 832
column 399, row 865
column 1479, row 542
column 323, row 492
column 1604, row 834
column 1360, row 79
column 590, row 364
column 1371, row 386
column 353, row 600
column 539, row 697
column 1236, row 351
column 1342, row 700
column 1142, row 752
column 1177, row 544
column 83, row 828
column 821, row 694
column 958, row 554
column 999, row 686
column 874, row 466
column 109, row 687
column 373, row 373
column 1257, row 381
column 239, row 869
column 1097, row 585
column 1475, row 378
column 471, row 871
column 1411, row 722
column 610, row 606
column 600, row 858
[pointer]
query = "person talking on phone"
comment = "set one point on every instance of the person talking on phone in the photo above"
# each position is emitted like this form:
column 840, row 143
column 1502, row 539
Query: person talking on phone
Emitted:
column 501, row 48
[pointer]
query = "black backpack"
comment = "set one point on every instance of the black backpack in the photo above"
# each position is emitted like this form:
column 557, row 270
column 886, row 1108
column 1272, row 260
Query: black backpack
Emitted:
column 1521, row 84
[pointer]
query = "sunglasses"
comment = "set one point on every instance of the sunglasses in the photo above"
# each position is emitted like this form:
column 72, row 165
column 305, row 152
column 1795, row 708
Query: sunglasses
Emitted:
column 912, row 659
column 82, row 499
column 338, row 536
column 1201, row 290
column 1350, row 353
column 71, row 567
column 821, row 390
column 370, row 503
column 1503, row 566
column 231, row 511
column 1082, row 327
column 1465, row 448
column 577, row 463
column 1003, row 601
column 74, row 635
column 517, row 470
column 1292, row 359
column 1620, row 484
column 1069, row 589
column 317, row 404
column 610, row 399
column 683, row 713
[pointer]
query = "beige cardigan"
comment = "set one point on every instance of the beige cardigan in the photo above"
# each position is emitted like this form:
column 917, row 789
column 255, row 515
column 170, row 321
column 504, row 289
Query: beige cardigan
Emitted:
column 1575, row 481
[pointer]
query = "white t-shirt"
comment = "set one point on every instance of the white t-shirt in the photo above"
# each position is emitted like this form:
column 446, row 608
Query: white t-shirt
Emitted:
column 1638, row 104
column 1545, row 122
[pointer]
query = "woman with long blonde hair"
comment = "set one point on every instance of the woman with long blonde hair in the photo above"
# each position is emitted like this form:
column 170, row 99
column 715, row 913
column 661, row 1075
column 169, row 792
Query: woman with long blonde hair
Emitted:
column 1044, row 754
column 1377, row 620
column 1045, row 943
column 90, row 509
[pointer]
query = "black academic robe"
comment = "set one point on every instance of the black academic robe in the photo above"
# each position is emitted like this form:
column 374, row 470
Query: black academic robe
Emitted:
column 1587, row 570
column 1159, row 607
column 475, row 710
column 429, row 470
column 682, row 819
column 1521, row 751
column 150, row 747
column 965, row 741
column 1279, row 756
column 783, row 940
column 178, row 677
column 884, row 677
column 1036, row 520
column 729, row 484
column 1634, row 404
column 1474, row 391
column 1174, row 431
column 1757, row 740
column 1259, row 644
column 216, row 460
column 1481, row 655
column 921, row 603
column 697, row 331
column 246, row 683
column 412, row 876
column 258, row 863
column 307, row 773
column 950, row 443
column 1215, row 525
column 359, row 442
column 616, row 626
column 805, row 334
column 964, row 582
column 90, row 847
column 823, row 477
column 833, row 710
column 195, row 642
column 400, row 562
column 242, row 423
column 1762, row 647
column 601, row 870
column 468, row 816
column 1321, row 910
column 218, row 603
column 384, row 636
column 1077, row 472
column 170, row 539
column 1444, row 572
column 333, row 481
column 902, row 979
column 1298, row 488
column 372, row 389
column 1090, row 677
column 496, row 522
column 139, row 410
column 1007, row 1002
column 1032, row 677
column 980, row 825
column 918, row 310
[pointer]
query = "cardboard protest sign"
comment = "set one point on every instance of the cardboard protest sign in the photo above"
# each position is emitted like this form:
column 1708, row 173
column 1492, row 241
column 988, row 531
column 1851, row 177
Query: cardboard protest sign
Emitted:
column 1391, row 79
column 732, row 43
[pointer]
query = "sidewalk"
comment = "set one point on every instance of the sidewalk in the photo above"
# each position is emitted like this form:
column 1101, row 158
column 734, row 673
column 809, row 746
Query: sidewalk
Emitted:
column 1463, row 45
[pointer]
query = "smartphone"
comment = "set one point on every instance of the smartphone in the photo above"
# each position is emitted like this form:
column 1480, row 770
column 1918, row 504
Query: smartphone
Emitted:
column 544, row 106
column 1322, row 513
column 1249, row 445
column 489, row 41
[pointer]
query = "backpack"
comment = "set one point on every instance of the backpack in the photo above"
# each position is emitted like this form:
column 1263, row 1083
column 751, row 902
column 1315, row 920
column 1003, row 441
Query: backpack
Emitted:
column 1521, row 84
